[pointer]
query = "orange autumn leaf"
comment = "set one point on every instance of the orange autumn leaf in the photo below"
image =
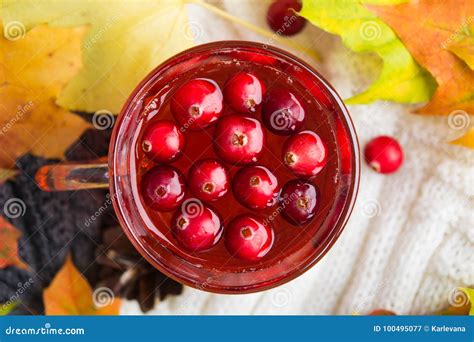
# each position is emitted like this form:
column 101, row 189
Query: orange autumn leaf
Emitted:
column 70, row 294
column 426, row 27
column 467, row 140
column 9, row 237
column 463, row 46
column 460, row 302
column 34, row 68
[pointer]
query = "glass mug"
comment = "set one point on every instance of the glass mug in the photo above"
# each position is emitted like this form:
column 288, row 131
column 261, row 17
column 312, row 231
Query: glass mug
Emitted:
column 292, row 257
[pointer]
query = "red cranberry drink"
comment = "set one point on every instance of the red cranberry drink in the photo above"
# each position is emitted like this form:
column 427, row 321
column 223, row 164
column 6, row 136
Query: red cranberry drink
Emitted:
column 235, row 167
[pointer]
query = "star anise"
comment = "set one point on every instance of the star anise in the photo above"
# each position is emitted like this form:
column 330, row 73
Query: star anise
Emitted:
column 128, row 274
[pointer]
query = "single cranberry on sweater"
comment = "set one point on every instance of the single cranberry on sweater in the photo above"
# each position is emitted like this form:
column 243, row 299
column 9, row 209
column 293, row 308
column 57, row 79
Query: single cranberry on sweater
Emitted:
column 384, row 154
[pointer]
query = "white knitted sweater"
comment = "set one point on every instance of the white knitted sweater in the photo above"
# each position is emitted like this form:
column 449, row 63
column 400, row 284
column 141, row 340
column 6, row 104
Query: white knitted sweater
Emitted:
column 410, row 239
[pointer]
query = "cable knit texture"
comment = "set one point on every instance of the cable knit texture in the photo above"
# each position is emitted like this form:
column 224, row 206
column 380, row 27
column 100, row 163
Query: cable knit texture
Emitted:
column 410, row 239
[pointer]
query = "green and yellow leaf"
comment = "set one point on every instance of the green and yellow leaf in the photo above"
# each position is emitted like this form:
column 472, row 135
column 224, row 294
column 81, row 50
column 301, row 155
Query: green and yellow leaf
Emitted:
column 424, row 27
column 401, row 78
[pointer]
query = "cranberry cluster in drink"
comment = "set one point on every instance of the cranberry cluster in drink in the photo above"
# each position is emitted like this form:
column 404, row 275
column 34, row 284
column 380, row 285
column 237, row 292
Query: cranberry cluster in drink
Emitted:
column 238, row 164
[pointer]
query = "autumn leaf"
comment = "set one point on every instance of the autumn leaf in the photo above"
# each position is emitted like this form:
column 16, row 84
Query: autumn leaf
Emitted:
column 463, row 45
column 126, row 40
column 461, row 302
column 5, row 309
column 34, row 67
column 401, row 79
column 6, row 174
column 470, row 295
column 425, row 27
column 9, row 237
column 467, row 140
column 70, row 294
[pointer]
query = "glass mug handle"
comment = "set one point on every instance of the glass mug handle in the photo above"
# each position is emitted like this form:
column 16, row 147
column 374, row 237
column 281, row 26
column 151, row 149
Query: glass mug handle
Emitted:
column 74, row 176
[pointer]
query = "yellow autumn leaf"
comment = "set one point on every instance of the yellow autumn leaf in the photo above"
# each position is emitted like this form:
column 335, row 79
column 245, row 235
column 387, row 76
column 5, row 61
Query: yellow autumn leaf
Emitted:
column 462, row 44
column 34, row 67
column 126, row 40
column 467, row 140
column 70, row 294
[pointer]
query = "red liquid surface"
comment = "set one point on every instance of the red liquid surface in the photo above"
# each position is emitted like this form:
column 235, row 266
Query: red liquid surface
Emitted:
column 321, row 117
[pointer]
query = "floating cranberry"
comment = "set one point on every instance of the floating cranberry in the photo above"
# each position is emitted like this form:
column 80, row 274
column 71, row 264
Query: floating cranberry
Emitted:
column 283, row 19
column 238, row 139
column 243, row 92
column 298, row 201
column 197, row 104
column 163, row 188
column 162, row 141
column 255, row 187
column 305, row 153
column 196, row 226
column 208, row 180
column 247, row 237
column 283, row 112
column 384, row 154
